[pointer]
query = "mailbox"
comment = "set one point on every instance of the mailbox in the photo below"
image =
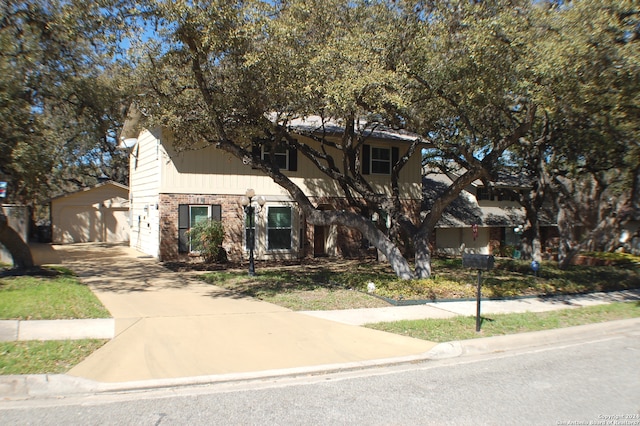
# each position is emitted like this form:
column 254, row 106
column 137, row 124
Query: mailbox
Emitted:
column 481, row 262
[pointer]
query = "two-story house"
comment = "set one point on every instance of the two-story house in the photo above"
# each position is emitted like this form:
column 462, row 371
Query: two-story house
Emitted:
column 172, row 190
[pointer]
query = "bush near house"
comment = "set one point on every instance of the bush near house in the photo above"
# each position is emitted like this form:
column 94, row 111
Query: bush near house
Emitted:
column 206, row 239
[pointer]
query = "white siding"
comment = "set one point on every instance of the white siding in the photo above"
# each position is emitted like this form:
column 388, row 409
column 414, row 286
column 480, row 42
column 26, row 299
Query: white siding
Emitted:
column 144, row 178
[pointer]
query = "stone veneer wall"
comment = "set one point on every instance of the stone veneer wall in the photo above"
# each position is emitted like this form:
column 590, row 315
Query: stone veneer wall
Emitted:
column 349, row 241
column 232, row 217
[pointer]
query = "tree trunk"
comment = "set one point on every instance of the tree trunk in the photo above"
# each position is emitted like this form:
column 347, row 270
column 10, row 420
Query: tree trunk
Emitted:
column 423, row 256
column 566, row 253
column 531, row 241
column 19, row 249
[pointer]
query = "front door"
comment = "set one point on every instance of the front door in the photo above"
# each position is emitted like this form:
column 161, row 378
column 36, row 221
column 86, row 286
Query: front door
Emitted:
column 319, row 239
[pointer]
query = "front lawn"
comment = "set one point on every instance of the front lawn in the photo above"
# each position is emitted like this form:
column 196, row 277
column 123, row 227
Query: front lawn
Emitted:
column 49, row 357
column 462, row 328
column 48, row 294
column 343, row 284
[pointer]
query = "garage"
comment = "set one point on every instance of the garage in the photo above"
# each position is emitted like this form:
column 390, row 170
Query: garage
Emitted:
column 97, row 214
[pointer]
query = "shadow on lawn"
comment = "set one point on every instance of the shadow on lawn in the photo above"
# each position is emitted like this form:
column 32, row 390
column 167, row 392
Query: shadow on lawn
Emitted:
column 510, row 279
column 36, row 271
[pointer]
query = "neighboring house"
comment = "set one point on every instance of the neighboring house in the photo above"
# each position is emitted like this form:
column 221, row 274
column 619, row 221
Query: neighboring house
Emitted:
column 171, row 191
column 96, row 214
column 482, row 220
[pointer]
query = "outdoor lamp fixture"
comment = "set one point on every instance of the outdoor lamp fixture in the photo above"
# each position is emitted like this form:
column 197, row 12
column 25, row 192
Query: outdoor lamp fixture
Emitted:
column 246, row 201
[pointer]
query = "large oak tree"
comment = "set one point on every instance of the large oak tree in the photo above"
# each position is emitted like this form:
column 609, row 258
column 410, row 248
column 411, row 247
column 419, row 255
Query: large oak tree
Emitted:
column 61, row 95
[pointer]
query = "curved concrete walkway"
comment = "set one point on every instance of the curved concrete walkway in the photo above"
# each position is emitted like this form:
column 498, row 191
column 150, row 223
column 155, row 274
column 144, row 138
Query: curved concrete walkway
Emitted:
column 171, row 325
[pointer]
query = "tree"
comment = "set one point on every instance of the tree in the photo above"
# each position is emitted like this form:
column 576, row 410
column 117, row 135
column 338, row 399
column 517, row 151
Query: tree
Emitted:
column 478, row 80
column 472, row 94
column 453, row 72
column 58, row 100
column 233, row 66
column 586, row 56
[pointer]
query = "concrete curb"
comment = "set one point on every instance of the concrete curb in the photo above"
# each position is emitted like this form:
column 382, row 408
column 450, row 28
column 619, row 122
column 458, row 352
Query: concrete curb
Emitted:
column 25, row 387
column 16, row 330
column 532, row 339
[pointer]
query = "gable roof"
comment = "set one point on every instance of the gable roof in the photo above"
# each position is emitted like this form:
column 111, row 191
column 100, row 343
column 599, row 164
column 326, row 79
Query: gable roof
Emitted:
column 319, row 125
column 92, row 188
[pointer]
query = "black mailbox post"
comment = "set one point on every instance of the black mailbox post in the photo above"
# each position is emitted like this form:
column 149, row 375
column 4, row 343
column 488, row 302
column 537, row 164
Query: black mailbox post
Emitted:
column 480, row 262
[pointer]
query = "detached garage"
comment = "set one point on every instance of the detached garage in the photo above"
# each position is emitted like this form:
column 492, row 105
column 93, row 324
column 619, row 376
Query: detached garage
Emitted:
column 97, row 214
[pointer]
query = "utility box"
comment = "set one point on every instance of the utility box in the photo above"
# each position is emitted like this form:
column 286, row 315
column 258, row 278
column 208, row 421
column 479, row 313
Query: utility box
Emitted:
column 481, row 262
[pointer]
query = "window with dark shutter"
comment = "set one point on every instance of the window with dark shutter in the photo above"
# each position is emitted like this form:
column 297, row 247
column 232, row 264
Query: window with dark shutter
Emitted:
column 183, row 227
column 380, row 160
column 395, row 156
column 188, row 216
column 216, row 212
column 256, row 151
column 293, row 159
column 366, row 159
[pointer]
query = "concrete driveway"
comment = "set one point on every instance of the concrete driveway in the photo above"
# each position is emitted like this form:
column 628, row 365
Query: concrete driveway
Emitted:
column 171, row 325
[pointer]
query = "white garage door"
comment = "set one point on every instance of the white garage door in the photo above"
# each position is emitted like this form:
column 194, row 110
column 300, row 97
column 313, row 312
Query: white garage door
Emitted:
column 81, row 224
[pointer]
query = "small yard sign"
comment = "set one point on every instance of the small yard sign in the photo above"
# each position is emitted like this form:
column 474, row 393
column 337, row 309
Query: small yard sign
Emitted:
column 3, row 189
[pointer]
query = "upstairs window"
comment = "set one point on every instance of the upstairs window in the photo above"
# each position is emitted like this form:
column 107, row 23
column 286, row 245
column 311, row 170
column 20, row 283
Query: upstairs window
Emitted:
column 483, row 193
column 379, row 160
column 285, row 157
column 281, row 156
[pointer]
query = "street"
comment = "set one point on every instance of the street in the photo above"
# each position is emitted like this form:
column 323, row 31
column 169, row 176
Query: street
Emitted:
column 591, row 382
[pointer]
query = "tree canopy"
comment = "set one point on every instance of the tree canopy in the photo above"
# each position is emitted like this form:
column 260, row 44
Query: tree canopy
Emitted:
column 61, row 95
column 546, row 87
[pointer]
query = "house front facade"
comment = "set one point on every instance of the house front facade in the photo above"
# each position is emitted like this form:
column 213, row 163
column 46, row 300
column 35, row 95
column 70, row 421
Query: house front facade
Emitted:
column 171, row 191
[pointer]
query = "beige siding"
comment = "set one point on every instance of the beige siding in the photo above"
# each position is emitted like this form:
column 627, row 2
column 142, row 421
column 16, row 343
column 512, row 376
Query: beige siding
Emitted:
column 96, row 214
column 144, row 178
column 455, row 241
column 213, row 171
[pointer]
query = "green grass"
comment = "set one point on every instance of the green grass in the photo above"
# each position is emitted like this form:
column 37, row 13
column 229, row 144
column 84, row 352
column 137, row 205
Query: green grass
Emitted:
column 49, row 357
column 462, row 328
column 58, row 296
column 331, row 285
column 295, row 289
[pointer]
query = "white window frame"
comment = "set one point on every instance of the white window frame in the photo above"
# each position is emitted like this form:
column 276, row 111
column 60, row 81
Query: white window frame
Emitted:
column 291, row 229
column 373, row 160
column 265, row 154
column 209, row 214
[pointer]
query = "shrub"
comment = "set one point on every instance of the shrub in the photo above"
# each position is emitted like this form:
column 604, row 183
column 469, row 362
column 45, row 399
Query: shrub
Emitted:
column 206, row 239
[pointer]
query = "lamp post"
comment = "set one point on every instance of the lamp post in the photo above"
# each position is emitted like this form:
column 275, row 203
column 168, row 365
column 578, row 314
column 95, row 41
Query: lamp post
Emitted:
column 246, row 201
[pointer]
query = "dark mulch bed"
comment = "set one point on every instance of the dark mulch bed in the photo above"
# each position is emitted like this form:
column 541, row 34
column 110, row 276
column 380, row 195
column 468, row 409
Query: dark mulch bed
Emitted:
column 304, row 264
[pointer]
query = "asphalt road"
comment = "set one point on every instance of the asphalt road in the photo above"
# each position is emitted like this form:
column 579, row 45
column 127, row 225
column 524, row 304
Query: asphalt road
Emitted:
column 590, row 382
